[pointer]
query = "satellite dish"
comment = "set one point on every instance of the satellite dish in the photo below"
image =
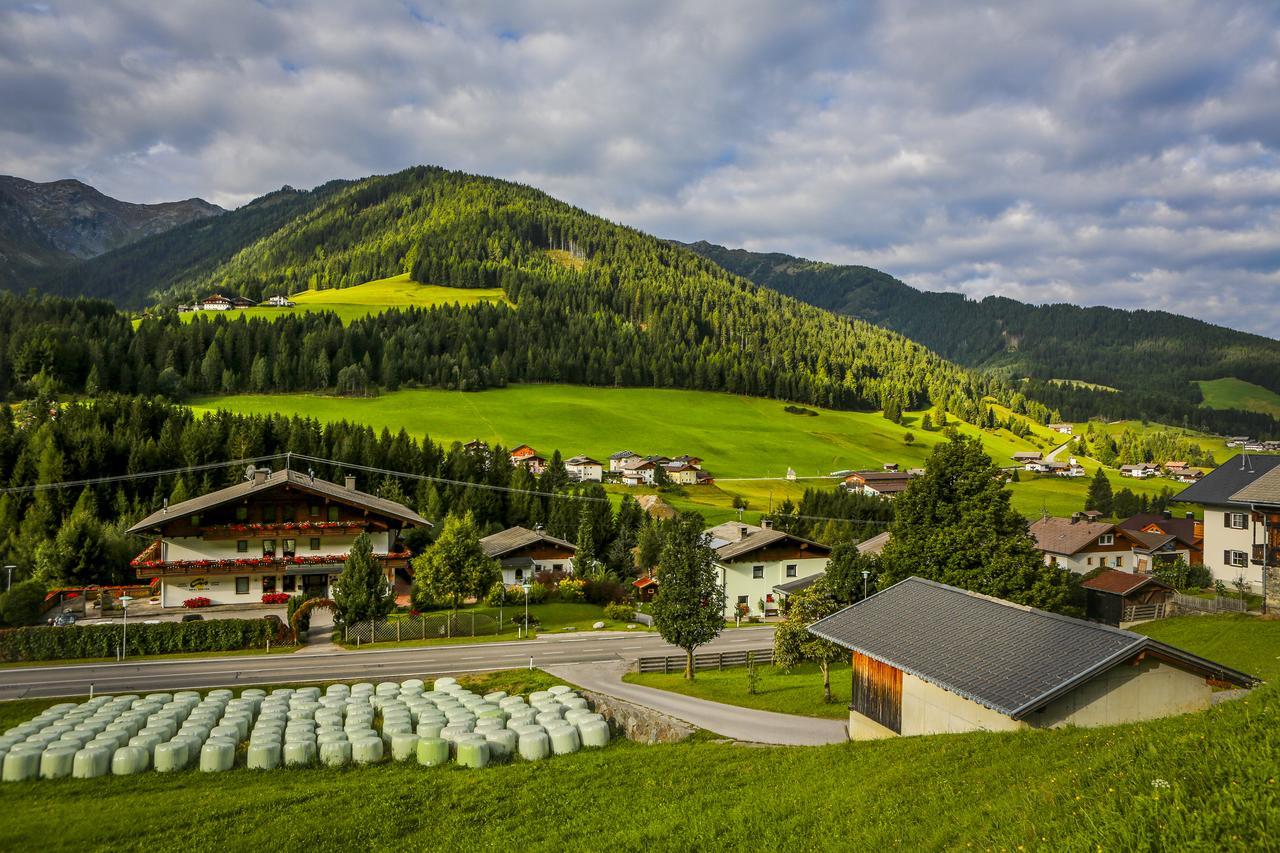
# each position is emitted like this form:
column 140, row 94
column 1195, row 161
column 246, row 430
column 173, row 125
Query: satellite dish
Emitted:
column 248, row 472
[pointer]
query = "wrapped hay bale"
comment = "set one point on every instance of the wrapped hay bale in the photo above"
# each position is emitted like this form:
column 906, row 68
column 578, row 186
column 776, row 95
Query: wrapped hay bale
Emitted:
column 170, row 757
column 91, row 762
column 56, row 762
column 367, row 750
column 564, row 740
column 335, row 753
column 299, row 753
column 127, row 761
column 404, row 746
column 217, row 755
column 432, row 751
column 473, row 753
column 594, row 733
column 502, row 743
column 534, row 746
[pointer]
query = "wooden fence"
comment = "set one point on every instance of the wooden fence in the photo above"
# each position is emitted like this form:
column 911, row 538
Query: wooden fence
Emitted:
column 706, row 660
column 1144, row 612
column 425, row 626
column 1217, row 604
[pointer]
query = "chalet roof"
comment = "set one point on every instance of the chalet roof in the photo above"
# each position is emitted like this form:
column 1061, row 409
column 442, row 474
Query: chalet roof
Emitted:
column 1065, row 536
column 513, row 538
column 1264, row 490
column 638, row 464
column 1027, row 455
column 733, row 540
column 1220, row 486
column 296, row 479
column 792, row 587
column 875, row 544
column 1144, row 541
column 1010, row 658
column 1120, row 583
column 623, row 454
column 581, row 460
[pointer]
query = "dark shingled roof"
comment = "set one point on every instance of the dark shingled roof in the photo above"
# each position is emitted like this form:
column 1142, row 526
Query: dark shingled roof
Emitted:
column 506, row 541
column 1007, row 657
column 1264, row 490
column 296, row 479
column 1219, row 486
column 734, row 540
column 791, row 587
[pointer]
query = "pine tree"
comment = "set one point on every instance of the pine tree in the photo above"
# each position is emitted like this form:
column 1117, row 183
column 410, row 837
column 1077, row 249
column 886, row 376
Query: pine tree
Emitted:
column 584, row 556
column 362, row 591
column 688, row 610
column 1100, row 496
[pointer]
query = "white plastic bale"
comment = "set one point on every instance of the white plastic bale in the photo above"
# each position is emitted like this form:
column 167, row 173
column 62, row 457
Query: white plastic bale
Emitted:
column 404, row 746
column 594, row 733
column 489, row 724
column 91, row 762
column 564, row 740
column 430, row 728
column 56, row 762
column 396, row 727
column 367, row 750
column 299, row 753
column 502, row 743
column 473, row 753
column 534, row 746
column 335, row 753
column 263, row 756
column 547, row 718
column 231, row 732
column 577, row 715
column 170, row 757
column 432, row 751
column 128, row 760
column 573, row 702
column 442, row 683
column 217, row 755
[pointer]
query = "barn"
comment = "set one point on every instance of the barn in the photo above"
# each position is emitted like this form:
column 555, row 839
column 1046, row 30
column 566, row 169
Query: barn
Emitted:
column 1115, row 597
column 931, row 659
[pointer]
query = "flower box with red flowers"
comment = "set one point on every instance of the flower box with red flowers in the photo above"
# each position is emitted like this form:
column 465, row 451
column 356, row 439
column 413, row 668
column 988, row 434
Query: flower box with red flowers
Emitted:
column 198, row 601
column 275, row 598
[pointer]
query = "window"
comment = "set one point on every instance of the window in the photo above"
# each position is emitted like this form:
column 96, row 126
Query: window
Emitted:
column 288, row 513
column 559, row 567
column 742, row 599
column 242, row 586
column 268, row 584
column 289, row 584
column 269, row 514
column 315, row 543
column 290, row 547
column 757, row 572
column 1119, row 562
column 314, row 510
column 1107, row 539
column 1238, row 559
column 242, row 546
column 1088, row 561
column 1236, row 520
column 333, row 512
column 242, row 513
column 268, row 547
column 519, row 574
column 791, row 570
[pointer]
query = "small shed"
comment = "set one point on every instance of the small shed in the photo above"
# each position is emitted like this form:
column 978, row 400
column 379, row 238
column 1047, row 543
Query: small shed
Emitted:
column 1112, row 597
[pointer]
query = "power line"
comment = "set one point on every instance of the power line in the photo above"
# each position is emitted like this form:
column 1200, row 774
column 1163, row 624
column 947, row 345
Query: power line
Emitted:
column 143, row 475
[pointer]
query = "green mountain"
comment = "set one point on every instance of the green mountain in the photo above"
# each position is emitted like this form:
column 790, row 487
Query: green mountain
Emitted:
column 1153, row 357
column 594, row 302
column 54, row 225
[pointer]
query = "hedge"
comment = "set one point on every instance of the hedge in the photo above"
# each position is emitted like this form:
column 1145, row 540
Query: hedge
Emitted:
column 101, row 641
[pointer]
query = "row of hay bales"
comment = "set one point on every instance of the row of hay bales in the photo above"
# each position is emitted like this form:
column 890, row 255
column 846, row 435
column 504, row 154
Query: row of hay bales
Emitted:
column 346, row 724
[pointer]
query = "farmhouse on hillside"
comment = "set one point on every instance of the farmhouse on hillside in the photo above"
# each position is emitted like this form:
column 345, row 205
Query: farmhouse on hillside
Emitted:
column 1022, row 457
column 274, row 532
column 584, row 469
column 879, row 484
column 1140, row 471
column 753, row 560
column 525, row 456
column 1188, row 531
column 1228, row 532
column 278, row 302
column 1113, row 597
column 523, row 553
column 1082, row 545
column 618, row 461
column 928, row 658
column 638, row 471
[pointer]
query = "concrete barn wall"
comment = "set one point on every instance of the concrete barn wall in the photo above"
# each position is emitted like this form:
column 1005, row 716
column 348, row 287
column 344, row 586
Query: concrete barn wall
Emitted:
column 1125, row 693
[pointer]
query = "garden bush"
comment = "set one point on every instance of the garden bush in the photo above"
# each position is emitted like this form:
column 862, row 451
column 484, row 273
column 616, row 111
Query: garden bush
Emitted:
column 572, row 589
column 619, row 611
column 605, row 591
column 500, row 595
column 100, row 641
column 24, row 603
column 197, row 601
column 296, row 601
column 537, row 593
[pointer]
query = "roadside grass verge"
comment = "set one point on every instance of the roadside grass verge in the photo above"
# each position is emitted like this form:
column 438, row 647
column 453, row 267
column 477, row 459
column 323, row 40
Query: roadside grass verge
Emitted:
column 794, row 691
column 275, row 650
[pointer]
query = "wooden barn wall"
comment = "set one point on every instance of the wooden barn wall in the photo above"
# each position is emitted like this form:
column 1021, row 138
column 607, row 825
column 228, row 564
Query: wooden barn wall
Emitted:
column 877, row 691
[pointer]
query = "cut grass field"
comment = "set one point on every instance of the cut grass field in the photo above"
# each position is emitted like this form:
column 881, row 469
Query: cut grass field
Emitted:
column 373, row 297
column 1193, row 782
column 1238, row 394
column 557, row 617
column 794, row 691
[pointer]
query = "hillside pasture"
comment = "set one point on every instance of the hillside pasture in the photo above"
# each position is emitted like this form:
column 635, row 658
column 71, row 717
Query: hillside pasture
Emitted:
column 373, row 297
column 1233, row 393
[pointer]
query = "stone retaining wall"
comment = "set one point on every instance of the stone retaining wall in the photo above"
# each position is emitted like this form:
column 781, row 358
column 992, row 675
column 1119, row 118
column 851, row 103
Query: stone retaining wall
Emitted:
column 637, row 723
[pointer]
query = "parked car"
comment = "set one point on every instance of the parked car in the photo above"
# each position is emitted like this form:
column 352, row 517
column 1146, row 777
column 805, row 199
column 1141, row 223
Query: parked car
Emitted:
column 192, row 617
column 64, row 618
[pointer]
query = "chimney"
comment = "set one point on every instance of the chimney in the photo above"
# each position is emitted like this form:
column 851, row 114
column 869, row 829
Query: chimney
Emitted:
column 1076, row 516
column 351, row 482
column 767, row 523
column 742, row 531
column 1166, row 514
column 260, row 476
column 1189, row 515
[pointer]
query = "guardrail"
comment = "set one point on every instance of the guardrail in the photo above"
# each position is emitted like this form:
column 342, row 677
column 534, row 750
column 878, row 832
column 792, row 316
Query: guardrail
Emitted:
column 706, row 660
column 426, row 626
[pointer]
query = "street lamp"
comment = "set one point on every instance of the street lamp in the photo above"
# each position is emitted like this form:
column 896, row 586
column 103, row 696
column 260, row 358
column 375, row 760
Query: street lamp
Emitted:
column 865, row 575
column 124, row 625
column 526, row 587
column 9, row 569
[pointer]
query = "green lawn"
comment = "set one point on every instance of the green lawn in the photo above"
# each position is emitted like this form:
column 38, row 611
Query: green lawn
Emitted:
column 556, row 617
column 798, row 691
column 1194, row 782
column 373, row 297
column 1238, row 394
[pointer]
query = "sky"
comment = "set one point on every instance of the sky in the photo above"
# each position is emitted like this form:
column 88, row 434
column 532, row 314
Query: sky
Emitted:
column 1101, row 152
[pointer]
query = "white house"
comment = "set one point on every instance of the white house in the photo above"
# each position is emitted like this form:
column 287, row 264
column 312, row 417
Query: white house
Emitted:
column 1141, row 471
column 753, row 560
column 638, row 472
column 523, row 553
column 584, row 469
column 1228, row 533
column 618, row 461
column 281, row 532
column 278, row 302
column 217, row 302
column 1065, row 429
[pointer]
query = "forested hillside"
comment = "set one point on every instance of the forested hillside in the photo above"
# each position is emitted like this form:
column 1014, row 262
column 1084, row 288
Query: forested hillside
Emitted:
column 595, row 303
column 1151, row 356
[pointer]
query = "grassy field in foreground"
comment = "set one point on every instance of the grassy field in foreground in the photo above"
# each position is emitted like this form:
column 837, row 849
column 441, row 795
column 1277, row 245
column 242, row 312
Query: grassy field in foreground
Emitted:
column 794, row 691
column 1237, row 394
column 1194, row 782
column 372, row 297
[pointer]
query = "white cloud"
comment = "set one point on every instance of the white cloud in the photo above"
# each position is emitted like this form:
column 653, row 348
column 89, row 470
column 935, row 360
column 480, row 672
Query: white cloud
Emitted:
column 1118, row 152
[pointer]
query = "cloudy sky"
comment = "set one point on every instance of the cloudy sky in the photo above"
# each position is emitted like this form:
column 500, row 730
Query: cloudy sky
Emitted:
column 1118, row 152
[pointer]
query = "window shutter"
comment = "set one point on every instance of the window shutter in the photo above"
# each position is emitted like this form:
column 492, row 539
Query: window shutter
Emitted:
column 1226, row 519
column 1226, row 557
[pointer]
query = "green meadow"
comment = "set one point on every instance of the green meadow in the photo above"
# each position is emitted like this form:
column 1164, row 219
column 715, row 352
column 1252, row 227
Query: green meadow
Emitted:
column 1203, row 781
column 1237, row 394
column 373, row 297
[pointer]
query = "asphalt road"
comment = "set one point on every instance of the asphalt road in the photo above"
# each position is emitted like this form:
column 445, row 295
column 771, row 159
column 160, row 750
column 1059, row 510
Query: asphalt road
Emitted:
column 371, row 665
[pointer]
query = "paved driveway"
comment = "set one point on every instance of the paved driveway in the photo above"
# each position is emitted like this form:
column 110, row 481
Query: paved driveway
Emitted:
column 744, row 724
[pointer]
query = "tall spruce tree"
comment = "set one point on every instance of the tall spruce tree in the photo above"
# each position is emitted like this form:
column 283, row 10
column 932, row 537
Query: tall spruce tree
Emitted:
column 1100, row 496
column 362, row 591
column 955, row 525
column 689, row 608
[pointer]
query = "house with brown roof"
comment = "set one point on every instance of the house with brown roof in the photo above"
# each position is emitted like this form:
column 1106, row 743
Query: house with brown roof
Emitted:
column 1114, row 597
column 753, row 560
column 1186, row 529
column 880, row 484
column 275, row 532
column 525, row 456
column 1081, row 544
column 523, row 553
